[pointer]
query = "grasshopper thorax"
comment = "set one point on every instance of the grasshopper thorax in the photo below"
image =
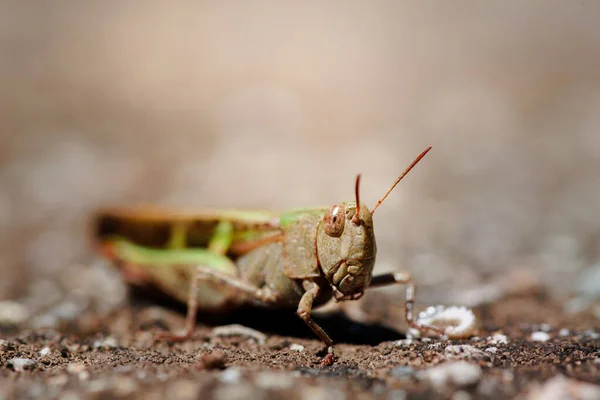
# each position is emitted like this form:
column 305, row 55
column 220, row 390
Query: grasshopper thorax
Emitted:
column 346, row 248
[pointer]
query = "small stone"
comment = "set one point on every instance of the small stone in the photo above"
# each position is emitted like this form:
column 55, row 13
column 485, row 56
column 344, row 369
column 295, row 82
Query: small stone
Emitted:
column 240, row 391
column 13, row 313
column 561, row 387
column 182, row 389
column 83, row 375
column 402, row 372
column 76, row 368
column 397, row 394
column 588, row 284
column 106, row 343
column 214, row 360
column 463, row 351
column 231, row 375
column 45, row 351
column 458, row 373
column 58, row 380
column 491, row 349
column 70, row 395
column 592, row 334
column 461, row 395
column 125, row 386
column 273, row 380
column 21, row 364
column 296, row 347
column 98, row 385
column 498, row 338
column 564, row 332
column 540, row 336
column 321, row 393
column 403, row 342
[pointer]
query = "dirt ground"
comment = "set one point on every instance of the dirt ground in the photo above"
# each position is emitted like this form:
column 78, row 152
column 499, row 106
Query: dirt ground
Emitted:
column 526, row 348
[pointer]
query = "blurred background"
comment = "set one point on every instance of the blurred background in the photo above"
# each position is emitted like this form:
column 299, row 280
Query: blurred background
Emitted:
column 267, row 104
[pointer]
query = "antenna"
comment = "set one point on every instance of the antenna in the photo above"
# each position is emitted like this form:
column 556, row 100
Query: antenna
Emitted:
column 356, row 217
column 406, row 171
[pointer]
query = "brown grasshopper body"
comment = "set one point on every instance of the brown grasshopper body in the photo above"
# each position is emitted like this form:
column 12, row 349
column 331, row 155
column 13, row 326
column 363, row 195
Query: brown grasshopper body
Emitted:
column 299, row 259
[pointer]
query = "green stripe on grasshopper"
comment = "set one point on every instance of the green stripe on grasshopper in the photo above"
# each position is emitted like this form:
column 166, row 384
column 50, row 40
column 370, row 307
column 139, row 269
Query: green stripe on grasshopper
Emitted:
column 292, row 216
column 124, row 250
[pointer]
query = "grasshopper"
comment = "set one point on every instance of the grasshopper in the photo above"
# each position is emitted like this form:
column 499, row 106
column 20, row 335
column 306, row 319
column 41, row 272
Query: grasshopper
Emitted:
column 216, row 260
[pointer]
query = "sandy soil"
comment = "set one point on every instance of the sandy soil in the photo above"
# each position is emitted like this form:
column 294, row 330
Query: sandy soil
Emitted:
column 116, row 357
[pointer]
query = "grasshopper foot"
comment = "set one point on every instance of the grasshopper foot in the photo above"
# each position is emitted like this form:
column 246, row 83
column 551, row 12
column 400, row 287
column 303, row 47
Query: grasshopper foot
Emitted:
column 329, row 358
column 424, row 328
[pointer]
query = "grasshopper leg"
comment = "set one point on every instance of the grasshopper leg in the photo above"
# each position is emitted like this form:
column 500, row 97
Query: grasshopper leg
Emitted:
column 218, row 245
column 264, row 296
column 392, row 278
column 304, row 311
column 190, row 320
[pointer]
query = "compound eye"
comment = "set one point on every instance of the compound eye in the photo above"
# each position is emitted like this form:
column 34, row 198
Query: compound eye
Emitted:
column 334, row 220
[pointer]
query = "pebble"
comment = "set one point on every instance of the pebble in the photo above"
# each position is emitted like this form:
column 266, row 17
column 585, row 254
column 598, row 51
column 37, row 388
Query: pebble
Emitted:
column 108, row 342
column 592, row 334
column 78, row 369
column 564, row 332
column 231, row 375
column 461, row 395
column 463, row 351
column 98, row 385
column 397, row 394
column 318, row 393
column 540, row 336
column 125, row 386
column 560, row 387
column 296, row 347
column 403, row 342
column 75, row 368
column 273, row 380
column 498, row 338
column 183, row 389
column 13, row 313
column 58, row 380
column 45, row 351
column 588, row 284
column 491, row 349
column 402, row 372
column 214, row 360
column 240, row 391
column 458, row 373
column 21, row 364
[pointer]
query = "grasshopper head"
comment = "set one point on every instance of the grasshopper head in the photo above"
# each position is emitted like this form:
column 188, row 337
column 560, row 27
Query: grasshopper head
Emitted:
column 346, row 243
column 346, row 248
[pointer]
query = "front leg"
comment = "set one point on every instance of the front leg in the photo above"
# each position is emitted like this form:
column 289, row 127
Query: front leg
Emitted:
column 304, row 311
column 392, row 278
